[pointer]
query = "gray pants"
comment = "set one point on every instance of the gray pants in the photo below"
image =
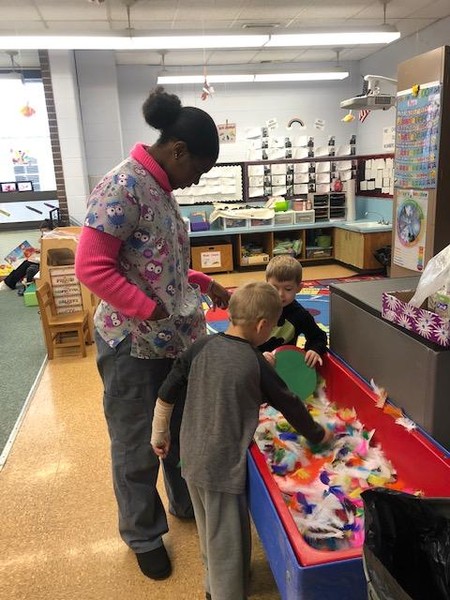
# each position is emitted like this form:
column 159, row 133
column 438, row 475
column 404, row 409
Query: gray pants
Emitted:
column 130, row 391
column 223, row 525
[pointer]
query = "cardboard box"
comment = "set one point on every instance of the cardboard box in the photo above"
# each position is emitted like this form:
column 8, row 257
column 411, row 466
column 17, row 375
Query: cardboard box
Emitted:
column 212, row 259
column 257, row 259
column 301, row 571
column 423, row 322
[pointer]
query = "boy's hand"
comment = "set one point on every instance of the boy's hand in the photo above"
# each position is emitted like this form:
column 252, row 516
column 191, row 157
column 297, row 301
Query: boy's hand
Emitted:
column 312, row 359
column 160, row 439
column 327, row 438
column 324, row 443
column 219, row 295
column 270, row 358
column 161, row 447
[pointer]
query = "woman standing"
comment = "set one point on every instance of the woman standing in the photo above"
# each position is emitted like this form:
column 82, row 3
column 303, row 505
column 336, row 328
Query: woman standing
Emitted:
column 134, row 254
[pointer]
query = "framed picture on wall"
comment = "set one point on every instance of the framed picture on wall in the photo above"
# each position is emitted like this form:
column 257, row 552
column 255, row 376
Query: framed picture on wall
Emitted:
column 8, row 186
column 24, row 186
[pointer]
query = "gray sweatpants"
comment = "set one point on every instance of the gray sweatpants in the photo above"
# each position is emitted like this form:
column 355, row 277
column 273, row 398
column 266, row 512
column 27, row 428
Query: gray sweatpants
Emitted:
column 223, row 525
column 130, row 390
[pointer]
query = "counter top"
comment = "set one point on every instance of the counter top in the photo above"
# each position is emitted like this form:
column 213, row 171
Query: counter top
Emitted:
column 365, row 226
column 368, row 293
column 361, row 226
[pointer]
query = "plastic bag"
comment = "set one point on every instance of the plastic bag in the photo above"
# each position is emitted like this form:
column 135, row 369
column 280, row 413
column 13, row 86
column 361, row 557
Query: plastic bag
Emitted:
column 435, row 276
column 407, row 545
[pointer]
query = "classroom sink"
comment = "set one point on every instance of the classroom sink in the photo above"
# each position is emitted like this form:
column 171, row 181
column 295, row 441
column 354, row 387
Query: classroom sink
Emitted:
column 368, row 225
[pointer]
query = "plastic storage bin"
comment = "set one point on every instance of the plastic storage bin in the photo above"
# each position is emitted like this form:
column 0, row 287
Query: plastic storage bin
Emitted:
column 226, row 223
column 318, row 252
column 284, row 218
column 304, row 572
column 261, row 222
column 304, row 216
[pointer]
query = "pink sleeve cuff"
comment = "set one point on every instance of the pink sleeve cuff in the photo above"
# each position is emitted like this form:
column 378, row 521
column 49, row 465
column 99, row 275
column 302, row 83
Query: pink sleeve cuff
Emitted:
column 200, row 279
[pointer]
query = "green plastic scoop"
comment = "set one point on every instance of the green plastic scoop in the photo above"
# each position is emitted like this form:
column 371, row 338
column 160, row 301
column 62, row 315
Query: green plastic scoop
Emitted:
column 291, row 367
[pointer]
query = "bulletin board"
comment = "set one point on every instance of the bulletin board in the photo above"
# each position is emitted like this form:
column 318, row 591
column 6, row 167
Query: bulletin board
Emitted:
column 421, row 219
column 223, row 183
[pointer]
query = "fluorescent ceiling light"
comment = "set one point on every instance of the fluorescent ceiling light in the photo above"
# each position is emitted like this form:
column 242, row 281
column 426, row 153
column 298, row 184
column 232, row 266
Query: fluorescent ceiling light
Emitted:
column 185, row 42
column 135, row 42
column 173, row 79
column 252, row 78
column 11, row 76
column 324, row 76
column 335, row 38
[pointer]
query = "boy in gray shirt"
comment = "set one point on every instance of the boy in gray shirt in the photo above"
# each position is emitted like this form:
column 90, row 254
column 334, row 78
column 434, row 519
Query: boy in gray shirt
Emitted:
column 226, row 379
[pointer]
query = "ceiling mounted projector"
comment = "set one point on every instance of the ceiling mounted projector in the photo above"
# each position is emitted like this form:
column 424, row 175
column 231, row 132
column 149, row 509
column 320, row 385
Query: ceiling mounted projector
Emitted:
column 380, row 102
column 372, row 98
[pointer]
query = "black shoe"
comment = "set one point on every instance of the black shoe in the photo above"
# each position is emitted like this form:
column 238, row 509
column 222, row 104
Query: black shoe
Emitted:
column 208, row 596
column 155, row 563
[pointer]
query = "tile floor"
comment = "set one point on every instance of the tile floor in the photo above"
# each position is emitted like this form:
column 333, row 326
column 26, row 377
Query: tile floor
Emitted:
column 58, row 533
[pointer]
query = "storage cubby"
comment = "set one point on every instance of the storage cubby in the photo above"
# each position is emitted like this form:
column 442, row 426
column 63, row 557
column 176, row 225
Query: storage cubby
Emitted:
column 329, row 207
column 57, row 268
column 292, row 242
column 319, row 243
column 261, row 244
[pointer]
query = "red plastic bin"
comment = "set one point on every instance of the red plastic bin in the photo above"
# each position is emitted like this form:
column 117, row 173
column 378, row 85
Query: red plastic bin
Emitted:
column 420, row 464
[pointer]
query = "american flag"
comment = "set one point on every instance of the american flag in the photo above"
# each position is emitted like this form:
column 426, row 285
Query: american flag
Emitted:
column 363, row 114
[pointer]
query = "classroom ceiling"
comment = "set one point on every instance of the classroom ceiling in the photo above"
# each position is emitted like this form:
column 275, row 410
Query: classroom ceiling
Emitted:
column 198, row 17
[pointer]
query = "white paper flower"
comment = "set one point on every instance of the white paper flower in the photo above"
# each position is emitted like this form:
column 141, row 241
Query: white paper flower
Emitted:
column 427, row 317
column 405, row 321
column 424, row 327
column 391, row 315
column 409, row 310
column 442, row 334
column 391, row 301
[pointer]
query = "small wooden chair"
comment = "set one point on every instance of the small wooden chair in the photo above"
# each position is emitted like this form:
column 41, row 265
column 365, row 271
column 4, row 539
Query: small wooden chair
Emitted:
column 62, row 331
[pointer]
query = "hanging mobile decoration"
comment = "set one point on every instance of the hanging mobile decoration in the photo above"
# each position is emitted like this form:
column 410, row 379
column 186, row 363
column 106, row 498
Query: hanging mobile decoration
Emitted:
column 349, row 117
column 27, row 110
column 207, row 90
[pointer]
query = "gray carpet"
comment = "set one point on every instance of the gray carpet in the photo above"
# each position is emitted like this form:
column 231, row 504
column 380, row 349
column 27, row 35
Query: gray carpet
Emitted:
column 21, row 356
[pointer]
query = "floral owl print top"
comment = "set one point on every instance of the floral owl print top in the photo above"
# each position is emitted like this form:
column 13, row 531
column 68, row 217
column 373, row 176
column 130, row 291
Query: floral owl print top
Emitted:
column 129, row 204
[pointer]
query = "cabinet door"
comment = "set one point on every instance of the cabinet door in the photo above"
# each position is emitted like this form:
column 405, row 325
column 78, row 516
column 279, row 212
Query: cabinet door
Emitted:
column 373, row 241
column 349, row 247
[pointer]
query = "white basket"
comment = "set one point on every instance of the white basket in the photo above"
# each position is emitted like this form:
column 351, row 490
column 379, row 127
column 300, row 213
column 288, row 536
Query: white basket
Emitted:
column 227, row 223
column 260, row 223
column 284, row 218
column 304, row 216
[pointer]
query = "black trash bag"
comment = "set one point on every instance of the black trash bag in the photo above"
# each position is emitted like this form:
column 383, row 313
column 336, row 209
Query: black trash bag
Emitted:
column 407, row 545
column 383, row 255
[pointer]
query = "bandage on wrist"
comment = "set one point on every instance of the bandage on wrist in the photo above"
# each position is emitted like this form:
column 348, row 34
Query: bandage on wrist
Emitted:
column 161, row 422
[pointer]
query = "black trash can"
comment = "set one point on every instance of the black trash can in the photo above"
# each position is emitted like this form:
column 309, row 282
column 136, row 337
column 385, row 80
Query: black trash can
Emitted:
column 383, row 256
column 406, row 552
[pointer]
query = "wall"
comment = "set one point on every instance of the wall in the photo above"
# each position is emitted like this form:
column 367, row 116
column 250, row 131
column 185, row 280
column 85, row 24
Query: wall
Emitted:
column 385, row 62
column 100, row 114
column 247, row 105
column 111, row 98
column 71, row 135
